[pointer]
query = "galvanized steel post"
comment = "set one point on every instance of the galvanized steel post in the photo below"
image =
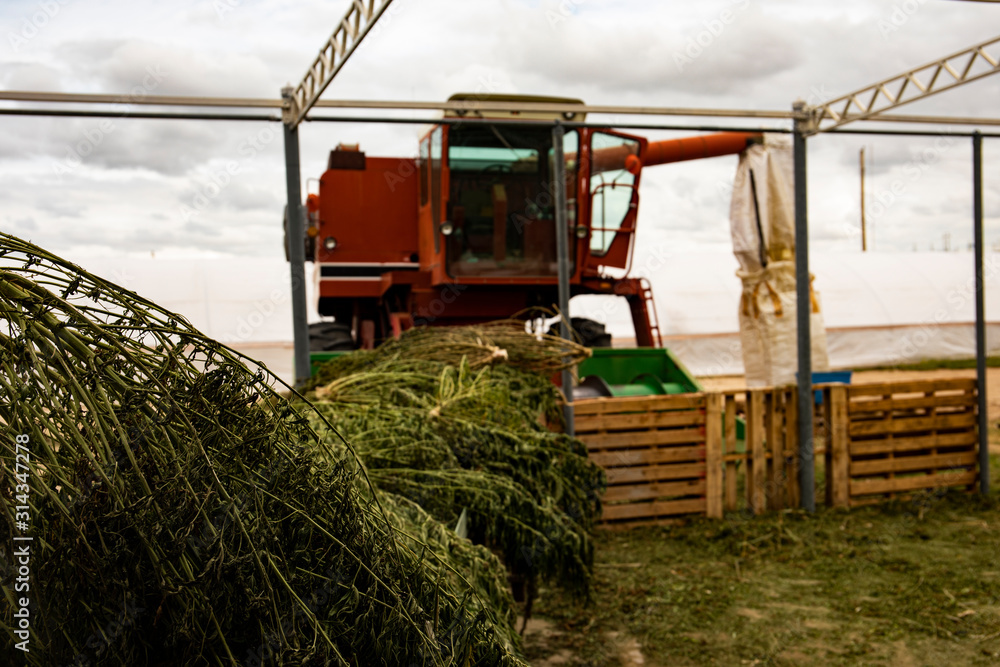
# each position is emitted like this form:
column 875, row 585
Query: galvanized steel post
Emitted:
column 977, row 215
column 562, row 250
column 803, row 310
column 296, row 249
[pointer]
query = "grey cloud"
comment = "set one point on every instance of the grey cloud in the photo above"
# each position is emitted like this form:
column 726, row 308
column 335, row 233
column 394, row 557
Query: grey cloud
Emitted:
column 26, row 223
column 617, row 52
column 123, row 65
column 629, row 56
column 197, row 228
column 119, row 142
column 166, row 147
column 61, row 208
column 30, row 76
column 242, row 197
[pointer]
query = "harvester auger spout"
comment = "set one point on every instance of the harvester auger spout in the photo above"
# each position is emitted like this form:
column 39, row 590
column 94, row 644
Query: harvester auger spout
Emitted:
column 675, row 150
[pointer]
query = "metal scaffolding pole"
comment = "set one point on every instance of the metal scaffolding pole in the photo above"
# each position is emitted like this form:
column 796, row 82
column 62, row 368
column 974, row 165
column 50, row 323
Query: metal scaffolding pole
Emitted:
column 977, row 216
column 296, row 251
column 562, row 249
column 803, row 310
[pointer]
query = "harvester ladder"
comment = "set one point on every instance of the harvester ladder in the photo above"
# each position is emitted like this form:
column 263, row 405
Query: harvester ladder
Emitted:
column 646, row 293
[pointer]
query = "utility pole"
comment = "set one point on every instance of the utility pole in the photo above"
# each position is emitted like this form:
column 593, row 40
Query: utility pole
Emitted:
column 864, row 237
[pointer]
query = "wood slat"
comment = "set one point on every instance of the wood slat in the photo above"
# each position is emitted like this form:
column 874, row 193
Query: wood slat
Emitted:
column 650, row 491
column 827, row 434
column 909, row 444
column 963, row 400
column 600, row 406
column 639, row 457
column 839, row 475
column 757, row 475
column 776, row 446
column 913, row 463
column 894, row 426
column 713, row 456
column 792, row 447
column 860, row 487
column 654, row 473
column 913, row 387
column 730, row 469
column 657, row 508
column 625, row 439
column 638, row 420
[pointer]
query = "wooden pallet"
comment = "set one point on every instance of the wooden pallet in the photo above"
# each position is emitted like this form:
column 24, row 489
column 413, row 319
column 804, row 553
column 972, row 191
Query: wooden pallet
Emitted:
column 766, row 468
column 653, row 452
column 893, row 439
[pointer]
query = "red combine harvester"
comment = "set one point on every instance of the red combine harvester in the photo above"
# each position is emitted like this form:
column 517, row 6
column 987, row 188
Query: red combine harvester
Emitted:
column 466, row 232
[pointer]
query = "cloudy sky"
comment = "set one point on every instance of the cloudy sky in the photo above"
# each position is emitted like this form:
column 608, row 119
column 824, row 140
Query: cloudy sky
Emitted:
column 86, row 187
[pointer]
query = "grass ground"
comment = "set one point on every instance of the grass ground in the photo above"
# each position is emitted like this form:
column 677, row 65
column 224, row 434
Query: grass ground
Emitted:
column 913, row 582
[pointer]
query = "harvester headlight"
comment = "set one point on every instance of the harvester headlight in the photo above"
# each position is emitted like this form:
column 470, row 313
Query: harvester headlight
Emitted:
column 330, row 243
column 581, row 231
column 447, row 228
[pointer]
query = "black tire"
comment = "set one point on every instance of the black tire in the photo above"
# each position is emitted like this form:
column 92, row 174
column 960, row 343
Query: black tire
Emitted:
column 586, row 332
column 330, row 336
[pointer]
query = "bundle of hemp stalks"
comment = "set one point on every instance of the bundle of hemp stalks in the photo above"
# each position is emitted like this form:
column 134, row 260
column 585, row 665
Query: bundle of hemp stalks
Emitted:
column 452, row 419
column 181, row 512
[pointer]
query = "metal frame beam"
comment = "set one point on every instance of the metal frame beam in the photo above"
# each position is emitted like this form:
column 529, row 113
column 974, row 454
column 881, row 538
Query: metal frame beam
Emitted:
column 977, row 234
column 803, row 316
column 916, row 84
column 353, row 28
column 147, row 100
column 868, row 104
column 562, row 251
column 296, row 252
column 465, row 107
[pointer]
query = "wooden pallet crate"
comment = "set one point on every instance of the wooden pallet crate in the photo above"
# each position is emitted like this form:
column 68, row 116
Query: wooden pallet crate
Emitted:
column 653, row 452
column 890, row 440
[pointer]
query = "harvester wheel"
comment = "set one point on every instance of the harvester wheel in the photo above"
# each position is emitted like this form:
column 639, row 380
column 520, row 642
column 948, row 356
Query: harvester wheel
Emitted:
column 329, row 336
column 587, row 332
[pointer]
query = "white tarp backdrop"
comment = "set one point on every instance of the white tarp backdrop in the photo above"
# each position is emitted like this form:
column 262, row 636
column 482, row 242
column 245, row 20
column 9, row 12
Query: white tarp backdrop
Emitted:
column 880, row 308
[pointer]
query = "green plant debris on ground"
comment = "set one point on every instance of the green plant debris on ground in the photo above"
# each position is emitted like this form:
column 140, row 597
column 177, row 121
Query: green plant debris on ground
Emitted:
column 913, row 582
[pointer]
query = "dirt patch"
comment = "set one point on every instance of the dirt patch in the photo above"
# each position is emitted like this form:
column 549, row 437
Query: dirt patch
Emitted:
column 550, row 645
column 629, row 651
column 797, row 608
column 817, row 624
column 752, row 614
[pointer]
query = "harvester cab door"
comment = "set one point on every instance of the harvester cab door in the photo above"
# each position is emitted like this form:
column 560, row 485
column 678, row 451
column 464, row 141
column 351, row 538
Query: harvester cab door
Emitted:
column 613, row 186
